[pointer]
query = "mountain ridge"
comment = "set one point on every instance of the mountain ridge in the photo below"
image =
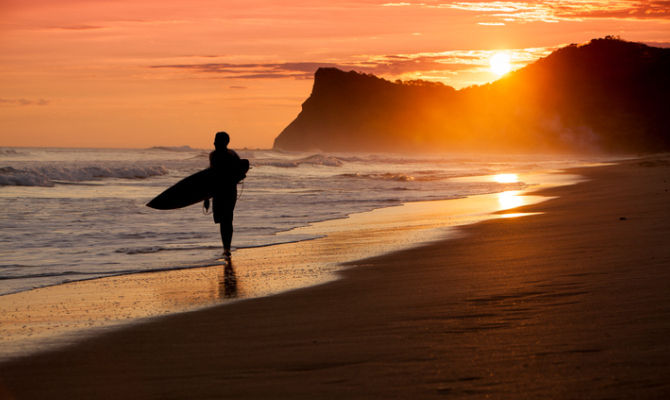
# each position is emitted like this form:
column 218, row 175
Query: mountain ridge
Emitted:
column 608, row 95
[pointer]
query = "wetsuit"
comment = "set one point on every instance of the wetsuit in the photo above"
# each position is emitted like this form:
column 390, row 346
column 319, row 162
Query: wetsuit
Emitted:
column 224, row 162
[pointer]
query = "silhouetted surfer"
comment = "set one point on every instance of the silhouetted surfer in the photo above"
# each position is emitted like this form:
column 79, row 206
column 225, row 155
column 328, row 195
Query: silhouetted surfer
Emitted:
column 225, row 162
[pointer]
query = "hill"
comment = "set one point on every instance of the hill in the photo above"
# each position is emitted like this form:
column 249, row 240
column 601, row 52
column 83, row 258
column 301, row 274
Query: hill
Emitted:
column 608, row 95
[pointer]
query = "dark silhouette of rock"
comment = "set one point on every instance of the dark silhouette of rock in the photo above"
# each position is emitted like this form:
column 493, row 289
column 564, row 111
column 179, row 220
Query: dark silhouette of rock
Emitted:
column 606, row 96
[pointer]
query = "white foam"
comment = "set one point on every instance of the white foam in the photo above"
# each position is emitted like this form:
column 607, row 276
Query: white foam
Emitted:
column 172, row 148
column 316, row 159
column 49, row 175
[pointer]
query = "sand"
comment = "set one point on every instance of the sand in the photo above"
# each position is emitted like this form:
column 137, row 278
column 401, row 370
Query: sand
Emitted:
column 570, row 303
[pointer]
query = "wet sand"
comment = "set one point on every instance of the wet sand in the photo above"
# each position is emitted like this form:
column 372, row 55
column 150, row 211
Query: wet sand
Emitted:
column 570, row 303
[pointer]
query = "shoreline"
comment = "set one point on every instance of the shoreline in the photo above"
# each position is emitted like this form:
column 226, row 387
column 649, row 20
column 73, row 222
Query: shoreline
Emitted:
column 572, row 302
column 312, row 227
column 49, row 317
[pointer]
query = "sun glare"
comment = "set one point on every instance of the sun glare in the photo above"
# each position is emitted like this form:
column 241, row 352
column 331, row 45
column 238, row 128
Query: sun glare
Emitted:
column 500, row 63
column 510, row 199
column 506, row 178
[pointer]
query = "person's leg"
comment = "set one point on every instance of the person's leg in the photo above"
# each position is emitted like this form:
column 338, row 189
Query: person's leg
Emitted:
column 226, row 225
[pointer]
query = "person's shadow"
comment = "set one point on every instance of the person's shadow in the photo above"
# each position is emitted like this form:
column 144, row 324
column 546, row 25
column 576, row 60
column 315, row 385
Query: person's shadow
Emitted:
column 228, row 285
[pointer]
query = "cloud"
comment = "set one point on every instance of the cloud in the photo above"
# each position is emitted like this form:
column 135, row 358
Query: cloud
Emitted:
column 393, row 65
column 613, row 9
column 567, row 10
column 23, row 102
column 82, row 27
column 431, row 66
column 658, row 44
column 296, row 70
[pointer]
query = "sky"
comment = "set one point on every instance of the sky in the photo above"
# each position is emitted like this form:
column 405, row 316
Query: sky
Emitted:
column 142, row 73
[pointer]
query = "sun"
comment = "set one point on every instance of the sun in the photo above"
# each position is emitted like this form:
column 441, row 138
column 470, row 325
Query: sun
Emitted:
column 500, row 63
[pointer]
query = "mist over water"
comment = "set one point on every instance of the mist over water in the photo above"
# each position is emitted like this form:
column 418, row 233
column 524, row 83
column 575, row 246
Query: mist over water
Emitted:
column 75, row 214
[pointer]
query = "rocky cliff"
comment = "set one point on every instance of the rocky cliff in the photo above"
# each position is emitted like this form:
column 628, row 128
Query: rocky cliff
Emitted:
column 608, row 95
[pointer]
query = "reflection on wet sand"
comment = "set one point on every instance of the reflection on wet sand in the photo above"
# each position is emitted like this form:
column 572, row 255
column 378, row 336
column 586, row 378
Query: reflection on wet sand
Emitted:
column 228, row 282
column 510, row 199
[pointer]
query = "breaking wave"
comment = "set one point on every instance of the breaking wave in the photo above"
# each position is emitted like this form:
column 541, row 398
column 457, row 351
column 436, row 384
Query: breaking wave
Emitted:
column 50, row 175
column 172, row 148
column 388, row 176
column 156, row 249
column 419, row 176
column 11, row 152
column 316, row 159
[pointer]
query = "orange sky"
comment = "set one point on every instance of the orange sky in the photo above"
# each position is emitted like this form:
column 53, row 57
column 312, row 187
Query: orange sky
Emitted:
column 140, row 73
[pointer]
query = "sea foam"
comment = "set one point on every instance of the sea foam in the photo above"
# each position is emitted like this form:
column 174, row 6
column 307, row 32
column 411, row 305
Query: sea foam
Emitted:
column 49, row 175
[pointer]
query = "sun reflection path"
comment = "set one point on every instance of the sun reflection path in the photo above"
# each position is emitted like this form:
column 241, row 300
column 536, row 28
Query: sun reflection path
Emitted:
column 510, row 199
column 506, row 178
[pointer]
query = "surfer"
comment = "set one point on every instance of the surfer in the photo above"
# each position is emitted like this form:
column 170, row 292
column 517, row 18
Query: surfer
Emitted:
column 219, row 182
column 224, row 160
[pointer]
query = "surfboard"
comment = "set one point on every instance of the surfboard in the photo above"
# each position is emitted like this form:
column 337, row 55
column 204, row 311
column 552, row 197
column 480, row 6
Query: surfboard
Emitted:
column 190, row 190
column 196, row 188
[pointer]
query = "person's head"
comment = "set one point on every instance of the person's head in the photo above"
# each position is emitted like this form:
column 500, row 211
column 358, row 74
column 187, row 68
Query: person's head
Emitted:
column 221, row 140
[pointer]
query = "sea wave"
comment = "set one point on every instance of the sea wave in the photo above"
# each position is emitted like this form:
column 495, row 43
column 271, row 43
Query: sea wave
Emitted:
column 388, row 176
column 399, row 177
column 50, row 175
column 50, row 275
column 316, row 159
column 11, row 152
column 156, row 249
column 172, row 148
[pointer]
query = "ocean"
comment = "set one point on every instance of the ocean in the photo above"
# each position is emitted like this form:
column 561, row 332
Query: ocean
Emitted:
column 78, row 214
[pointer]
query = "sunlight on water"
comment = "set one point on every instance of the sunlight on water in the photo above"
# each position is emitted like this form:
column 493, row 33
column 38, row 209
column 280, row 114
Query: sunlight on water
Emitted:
column 506, row 178
column 510, row 199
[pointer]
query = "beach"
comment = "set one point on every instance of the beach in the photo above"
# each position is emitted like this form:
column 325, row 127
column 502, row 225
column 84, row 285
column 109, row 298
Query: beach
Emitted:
column 572, row 301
